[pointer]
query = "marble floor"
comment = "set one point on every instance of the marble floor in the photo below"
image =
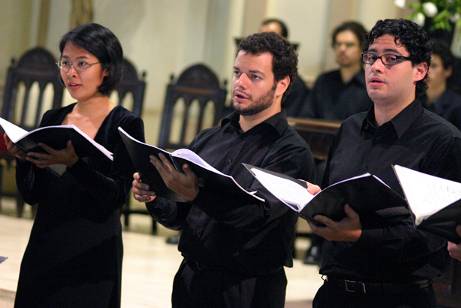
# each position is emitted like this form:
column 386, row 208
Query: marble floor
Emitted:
column 148, row 268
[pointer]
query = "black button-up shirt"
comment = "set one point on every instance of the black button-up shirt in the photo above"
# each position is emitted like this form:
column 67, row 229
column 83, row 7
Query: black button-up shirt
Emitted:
column 392, row 251
column 219, row 231
column 332, row 99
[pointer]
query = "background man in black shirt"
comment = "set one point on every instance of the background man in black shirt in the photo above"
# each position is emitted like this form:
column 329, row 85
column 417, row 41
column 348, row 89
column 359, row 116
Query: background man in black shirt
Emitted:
column 380, row 259
column 340, row 93
column 234, row 251
column 441, row 99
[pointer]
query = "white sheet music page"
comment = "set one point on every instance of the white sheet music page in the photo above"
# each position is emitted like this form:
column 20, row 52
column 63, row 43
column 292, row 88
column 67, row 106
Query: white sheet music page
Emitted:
column 193, row 157
column 14, row 132
column 289, row 192
column 426, row 194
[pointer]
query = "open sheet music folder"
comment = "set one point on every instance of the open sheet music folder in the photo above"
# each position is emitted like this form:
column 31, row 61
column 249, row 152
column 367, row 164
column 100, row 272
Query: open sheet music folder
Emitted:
column 55, row 136
column 434, row 202
column 209, row 177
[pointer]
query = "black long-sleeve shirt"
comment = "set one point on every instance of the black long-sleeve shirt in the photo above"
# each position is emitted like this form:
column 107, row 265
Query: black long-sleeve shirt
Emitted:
column 333, row 99
column 219, row 231
column 390, row 248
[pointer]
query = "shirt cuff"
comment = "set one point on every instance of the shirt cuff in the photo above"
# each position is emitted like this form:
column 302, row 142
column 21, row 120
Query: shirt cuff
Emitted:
column 369, row 238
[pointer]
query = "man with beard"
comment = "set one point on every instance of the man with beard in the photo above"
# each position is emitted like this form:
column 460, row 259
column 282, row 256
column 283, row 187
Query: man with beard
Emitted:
column 235, row 251
column 340, row 93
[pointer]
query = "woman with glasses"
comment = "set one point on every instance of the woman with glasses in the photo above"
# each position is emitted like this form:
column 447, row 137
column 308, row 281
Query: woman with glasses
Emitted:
column 74, row 254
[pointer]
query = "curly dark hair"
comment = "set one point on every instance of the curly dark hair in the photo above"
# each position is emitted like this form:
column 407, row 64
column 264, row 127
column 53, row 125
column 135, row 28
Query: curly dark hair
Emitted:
column 357, row 28
column 409, row 35
column 284, row 57
column 104, row 45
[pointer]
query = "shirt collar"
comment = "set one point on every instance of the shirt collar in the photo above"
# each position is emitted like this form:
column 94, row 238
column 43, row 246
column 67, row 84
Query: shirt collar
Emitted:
column 277, row 122
column 400, row 123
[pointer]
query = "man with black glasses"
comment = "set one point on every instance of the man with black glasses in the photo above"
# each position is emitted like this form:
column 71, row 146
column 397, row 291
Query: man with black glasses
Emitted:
column 381, row 260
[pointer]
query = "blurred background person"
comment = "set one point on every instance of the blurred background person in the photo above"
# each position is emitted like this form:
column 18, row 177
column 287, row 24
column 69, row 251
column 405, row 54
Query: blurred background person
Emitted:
column 339, row 93
column 440, row 98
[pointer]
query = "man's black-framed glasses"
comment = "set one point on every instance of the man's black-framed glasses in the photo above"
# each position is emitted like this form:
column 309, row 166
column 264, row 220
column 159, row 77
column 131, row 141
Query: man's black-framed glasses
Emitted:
column 388, row 59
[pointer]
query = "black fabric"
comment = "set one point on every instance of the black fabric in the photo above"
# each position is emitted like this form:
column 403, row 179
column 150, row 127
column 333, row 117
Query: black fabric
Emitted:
column 74, row 254
column 223, row 233
column 294, row 104
column 207, row 288
column 390, row 248
column 448, row 106
column 329, row 296
column 332, row 99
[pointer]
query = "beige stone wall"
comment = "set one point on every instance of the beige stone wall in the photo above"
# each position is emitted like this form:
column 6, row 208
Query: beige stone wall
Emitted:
column 163, row 37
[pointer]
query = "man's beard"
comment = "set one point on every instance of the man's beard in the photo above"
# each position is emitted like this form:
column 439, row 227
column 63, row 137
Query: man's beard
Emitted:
column 261, row 104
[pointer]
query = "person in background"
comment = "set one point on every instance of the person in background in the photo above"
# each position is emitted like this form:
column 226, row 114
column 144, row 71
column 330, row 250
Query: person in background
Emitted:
column 74, row 254
column 380, row 259
column 338, row 94
column 235, row 250
column 440, row 98
column 295, row 100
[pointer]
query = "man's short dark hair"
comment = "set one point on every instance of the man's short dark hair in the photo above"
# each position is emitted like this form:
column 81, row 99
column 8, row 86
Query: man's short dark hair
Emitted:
column 104, row 45
column 282, row 25
column 409, row 35
column 284, row 58
column 357, row 28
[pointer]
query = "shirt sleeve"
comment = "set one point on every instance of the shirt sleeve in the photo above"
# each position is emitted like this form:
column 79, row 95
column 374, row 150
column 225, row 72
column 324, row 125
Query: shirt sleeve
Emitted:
column 32, row 181
column 295, row 161
column 403, row 238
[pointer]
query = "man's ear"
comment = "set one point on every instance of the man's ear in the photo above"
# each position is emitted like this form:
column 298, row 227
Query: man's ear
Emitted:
column 420, row 71
column 282, row 86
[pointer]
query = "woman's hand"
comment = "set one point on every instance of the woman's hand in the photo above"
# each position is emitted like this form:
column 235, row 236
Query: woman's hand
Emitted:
column 140, row 190
column 66, row 156
column 12, row 149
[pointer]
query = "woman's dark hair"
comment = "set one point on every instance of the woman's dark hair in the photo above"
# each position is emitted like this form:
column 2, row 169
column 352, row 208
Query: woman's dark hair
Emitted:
column 357, row 28
column 409, row 35
column 104, row 45
column 284, row 58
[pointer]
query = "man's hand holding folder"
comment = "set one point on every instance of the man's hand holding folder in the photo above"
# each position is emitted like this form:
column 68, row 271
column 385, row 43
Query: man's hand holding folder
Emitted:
column 348, row 229
column 183, row 184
